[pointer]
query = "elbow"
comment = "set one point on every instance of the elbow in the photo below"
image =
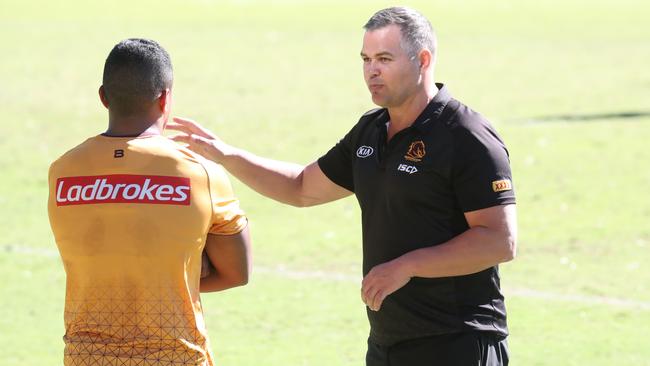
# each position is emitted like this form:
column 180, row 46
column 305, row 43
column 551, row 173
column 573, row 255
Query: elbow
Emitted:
column 303, row 201
column 243, row 276
column 240, row 280
column 221, row 283
column 299, row 203
column 243, row 281
column 510, row 248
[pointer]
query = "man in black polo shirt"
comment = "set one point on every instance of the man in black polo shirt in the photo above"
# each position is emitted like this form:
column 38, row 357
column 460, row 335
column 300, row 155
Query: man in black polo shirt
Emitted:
column 433, row 181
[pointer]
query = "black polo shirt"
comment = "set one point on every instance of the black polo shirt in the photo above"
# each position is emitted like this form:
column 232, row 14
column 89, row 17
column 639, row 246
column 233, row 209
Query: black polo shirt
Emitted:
column 413, row 192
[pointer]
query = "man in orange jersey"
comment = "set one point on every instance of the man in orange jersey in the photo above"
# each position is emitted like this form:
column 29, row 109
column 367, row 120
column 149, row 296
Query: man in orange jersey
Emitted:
column 132, row 212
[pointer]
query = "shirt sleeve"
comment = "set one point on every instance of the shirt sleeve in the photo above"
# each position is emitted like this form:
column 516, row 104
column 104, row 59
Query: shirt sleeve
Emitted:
column 337, row 162
column 481, row 175
column 227, row 217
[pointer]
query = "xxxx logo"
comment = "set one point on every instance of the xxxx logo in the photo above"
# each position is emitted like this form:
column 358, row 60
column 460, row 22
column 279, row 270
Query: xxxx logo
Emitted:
column 501, row 185
column 416, row 151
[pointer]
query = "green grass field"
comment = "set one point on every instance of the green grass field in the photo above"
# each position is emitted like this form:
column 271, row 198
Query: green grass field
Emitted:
column 283, row 79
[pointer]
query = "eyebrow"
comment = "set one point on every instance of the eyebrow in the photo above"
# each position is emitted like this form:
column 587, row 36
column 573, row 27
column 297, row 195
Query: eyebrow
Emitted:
column 384, row 53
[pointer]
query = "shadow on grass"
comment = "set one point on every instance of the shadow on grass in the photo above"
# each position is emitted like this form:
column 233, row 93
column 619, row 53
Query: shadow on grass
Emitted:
column 591, row 117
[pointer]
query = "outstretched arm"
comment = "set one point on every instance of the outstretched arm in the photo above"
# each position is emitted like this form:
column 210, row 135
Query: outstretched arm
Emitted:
column 230, row 256
column 289, row 183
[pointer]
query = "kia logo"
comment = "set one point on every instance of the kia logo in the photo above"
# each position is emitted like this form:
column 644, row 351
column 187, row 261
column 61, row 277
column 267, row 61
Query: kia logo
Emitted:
column 364, row 151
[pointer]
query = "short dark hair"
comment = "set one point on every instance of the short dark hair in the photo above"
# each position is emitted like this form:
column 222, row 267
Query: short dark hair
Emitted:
column 417, row 32
column 135, row 72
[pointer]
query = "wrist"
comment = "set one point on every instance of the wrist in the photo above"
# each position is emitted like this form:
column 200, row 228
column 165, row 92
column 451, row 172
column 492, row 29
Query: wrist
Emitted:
column 221, row 152
column 404, row 266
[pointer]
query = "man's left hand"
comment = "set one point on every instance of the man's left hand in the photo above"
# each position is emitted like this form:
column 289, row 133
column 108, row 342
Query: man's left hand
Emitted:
column 381, row 281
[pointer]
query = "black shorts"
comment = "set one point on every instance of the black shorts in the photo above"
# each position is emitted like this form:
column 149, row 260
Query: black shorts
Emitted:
column 462, row 349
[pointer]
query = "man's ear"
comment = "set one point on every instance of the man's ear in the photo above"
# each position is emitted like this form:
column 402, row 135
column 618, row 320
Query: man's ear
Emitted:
column 102, row 96
column 165, row 100
column 426, row 59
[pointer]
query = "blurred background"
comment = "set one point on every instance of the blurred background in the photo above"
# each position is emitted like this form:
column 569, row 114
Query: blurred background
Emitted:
column 566, row 83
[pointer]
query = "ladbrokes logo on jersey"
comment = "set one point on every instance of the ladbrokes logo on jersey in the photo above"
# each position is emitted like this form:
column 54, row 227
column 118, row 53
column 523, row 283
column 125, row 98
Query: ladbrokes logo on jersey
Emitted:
column 123, row 188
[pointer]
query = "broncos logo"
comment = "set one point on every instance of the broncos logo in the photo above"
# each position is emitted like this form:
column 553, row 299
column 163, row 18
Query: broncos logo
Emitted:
column 416, row 151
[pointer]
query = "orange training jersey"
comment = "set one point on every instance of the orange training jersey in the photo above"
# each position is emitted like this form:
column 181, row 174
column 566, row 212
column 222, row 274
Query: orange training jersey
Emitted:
column 130, row 218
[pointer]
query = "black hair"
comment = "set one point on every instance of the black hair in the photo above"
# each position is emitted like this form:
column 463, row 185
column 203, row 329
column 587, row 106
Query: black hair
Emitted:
column 135, row 73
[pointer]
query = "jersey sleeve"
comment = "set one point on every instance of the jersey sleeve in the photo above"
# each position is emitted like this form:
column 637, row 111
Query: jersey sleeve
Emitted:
column 227, row 217
column 481, row 175
column 336, row 164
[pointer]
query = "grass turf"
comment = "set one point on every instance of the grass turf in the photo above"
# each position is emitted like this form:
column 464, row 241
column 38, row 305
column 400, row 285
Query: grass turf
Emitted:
column 283, row 79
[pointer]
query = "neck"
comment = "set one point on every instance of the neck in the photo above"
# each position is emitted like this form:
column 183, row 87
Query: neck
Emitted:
column 134, row 125
column 403, row 115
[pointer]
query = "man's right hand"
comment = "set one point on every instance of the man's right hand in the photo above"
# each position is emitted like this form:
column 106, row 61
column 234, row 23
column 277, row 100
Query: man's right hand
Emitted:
column 199, row 139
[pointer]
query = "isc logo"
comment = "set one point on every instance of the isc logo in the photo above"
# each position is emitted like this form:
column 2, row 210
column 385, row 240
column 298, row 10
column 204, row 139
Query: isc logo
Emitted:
column 407, row 168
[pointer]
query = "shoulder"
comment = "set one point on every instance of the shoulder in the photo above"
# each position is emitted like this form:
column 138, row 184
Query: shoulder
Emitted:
column 165, row 148
column 471, row 135
column 368, row 119
column 71, row 156
column 215, row 172
column 467, row 125
column 218, row 179
column 182, row 152
column 372, row 112
column 189, row 161
column 459, row 117
column 363, row 127
column 370, row 115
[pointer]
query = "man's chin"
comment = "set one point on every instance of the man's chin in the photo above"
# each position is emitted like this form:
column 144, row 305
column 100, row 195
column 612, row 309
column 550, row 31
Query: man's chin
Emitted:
column 381, row 102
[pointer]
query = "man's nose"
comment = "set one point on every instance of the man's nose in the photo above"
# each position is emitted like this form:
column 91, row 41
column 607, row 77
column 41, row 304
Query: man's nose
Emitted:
column 373, row 68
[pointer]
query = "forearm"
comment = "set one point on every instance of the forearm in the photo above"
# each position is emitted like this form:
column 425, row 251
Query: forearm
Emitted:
column 278, row 180
column 216, row 282
column 230, row 261
column 490, row 240
column 472, row 251
column 288, row 183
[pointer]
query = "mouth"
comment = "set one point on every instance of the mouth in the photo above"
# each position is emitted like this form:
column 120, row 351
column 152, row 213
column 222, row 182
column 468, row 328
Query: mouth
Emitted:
column 375, row 87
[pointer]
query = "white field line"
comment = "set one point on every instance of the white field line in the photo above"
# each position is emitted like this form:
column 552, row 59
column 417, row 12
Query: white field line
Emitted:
column 21, row 249
column 286, row 272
